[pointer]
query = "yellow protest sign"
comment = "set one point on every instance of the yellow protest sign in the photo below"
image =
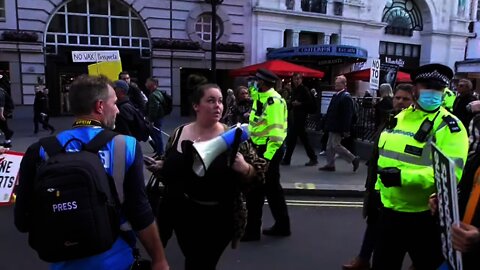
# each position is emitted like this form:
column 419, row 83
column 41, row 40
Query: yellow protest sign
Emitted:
column 107, row 69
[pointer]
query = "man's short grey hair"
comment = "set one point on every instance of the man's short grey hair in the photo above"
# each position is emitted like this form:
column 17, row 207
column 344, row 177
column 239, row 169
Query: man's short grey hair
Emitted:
column 85, row 91
column 385, row 90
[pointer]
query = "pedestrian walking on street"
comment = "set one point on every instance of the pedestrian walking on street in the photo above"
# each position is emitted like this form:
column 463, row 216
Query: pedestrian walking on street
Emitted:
column 402, row 99
column 240, row 111
column 155, row 112
column 338, row 124
column 465, row 96
column 129, row 121
column 6, row 112
column 41, row 110
column 406, row 177
column 300, row 101
column 201, row 210
column 137, row 97
column 268, row 129
column 384, row 107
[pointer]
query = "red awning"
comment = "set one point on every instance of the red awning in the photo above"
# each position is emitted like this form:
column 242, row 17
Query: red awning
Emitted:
column 364, row 75
column 280, row 68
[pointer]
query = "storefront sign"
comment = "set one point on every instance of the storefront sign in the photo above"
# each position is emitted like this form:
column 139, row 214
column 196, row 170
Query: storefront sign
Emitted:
column 401, row 61
column 95, row 56
column 446, row 183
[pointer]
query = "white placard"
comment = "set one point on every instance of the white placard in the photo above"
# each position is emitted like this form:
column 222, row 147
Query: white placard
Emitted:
column 375, row 74
column 95, row 56
column 9, row 167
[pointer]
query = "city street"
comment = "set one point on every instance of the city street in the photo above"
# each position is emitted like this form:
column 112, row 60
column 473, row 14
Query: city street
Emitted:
column 325, row 233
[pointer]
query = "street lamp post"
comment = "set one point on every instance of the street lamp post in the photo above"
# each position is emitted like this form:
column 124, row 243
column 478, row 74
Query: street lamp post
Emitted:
column 213, row 65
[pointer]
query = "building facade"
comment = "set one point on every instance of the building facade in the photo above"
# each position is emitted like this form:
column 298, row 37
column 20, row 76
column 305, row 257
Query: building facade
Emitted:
column 167, row 40
column 408, row 33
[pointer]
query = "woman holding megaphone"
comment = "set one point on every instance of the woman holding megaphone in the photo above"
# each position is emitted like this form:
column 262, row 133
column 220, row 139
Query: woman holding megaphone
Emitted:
column 204, row 208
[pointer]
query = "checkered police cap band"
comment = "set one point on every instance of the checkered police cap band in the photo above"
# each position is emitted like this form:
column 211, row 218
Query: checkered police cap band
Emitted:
column 434, row 75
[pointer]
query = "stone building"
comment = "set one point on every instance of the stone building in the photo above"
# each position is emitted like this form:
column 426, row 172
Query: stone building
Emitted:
column 339, row 36
column 167, row 39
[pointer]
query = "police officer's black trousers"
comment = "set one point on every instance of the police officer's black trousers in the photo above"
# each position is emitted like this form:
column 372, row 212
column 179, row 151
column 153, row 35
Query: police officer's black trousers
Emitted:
column 274, row 193
column 297, row 129
column 414, row 233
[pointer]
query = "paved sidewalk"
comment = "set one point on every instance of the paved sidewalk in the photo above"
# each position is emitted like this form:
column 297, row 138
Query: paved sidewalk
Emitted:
column 296, row 178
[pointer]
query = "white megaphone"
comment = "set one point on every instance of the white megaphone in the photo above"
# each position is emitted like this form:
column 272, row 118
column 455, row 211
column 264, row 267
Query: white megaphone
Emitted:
column 206, row 152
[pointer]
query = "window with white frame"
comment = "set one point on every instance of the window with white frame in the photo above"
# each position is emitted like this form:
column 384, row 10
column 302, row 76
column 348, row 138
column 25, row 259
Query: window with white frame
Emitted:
column 93, row 23
column 2, row 10
column 203, row 27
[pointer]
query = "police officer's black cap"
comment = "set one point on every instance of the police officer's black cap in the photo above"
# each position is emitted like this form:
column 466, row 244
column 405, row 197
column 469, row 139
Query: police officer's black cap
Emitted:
column 266, row 75
column 432, row 72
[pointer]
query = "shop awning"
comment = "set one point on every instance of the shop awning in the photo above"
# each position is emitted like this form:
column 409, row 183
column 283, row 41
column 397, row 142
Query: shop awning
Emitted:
column 364, row 75
column 321, row 54
column 280, row 68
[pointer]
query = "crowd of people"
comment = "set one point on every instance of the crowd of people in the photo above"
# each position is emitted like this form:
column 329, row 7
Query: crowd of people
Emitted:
column 207, row 213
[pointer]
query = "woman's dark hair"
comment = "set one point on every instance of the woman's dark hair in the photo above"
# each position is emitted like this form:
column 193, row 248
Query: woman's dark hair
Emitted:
column 194, row 81
column 200, row 92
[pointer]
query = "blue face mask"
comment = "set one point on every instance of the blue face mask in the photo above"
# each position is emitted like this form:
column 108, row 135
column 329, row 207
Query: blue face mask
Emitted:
column 430, row 100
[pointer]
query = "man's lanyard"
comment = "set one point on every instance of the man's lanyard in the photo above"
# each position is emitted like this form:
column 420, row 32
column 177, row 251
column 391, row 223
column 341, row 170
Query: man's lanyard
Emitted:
column 86, row 123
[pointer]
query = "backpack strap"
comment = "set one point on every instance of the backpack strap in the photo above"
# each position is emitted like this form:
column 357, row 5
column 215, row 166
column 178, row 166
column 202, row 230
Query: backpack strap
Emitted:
column 119, row 165
column 100, row 140
column 118, row 173
column 51, row 145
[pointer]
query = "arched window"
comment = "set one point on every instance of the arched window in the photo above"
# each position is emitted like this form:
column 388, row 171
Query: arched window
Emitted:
column 94, row 23
column 203, row 27
column 403, row 17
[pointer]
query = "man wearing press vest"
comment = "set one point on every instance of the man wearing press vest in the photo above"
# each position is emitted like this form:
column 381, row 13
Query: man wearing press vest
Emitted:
column 81, row 213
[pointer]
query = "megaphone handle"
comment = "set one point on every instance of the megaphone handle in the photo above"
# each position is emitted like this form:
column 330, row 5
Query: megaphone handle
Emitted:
column 235, row 146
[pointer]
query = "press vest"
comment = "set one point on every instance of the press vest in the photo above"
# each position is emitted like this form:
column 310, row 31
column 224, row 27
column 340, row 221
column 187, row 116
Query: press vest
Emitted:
column 268, row 120
column 398, row 148
column 120, row 255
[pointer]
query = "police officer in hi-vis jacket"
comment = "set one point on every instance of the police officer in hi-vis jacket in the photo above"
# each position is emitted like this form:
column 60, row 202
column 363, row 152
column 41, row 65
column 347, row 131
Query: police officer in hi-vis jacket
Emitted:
column 405, row 173
column 268, row 129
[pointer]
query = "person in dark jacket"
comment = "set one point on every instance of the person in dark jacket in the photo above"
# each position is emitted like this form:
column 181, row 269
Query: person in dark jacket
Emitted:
column 371, row 208
column 127, row 122
column 297, row 117
column 240, row 111
column 40, row 110
column 137, row 97
column 338, row 124
column 465, row 91
column 385, row 106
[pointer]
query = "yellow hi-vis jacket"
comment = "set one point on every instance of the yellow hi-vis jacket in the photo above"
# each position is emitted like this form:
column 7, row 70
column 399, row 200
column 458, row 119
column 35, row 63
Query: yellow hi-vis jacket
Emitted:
column 268, row 120
column 398, row 148
column 448, row 99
